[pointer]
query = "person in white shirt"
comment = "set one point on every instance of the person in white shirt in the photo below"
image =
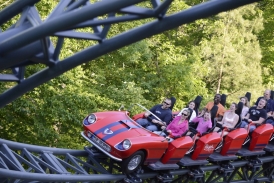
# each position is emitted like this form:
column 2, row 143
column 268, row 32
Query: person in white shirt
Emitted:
column 245, row 109
column 191, row 105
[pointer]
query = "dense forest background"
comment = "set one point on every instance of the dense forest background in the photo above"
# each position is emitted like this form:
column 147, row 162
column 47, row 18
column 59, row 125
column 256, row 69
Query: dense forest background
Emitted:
column 231, row 53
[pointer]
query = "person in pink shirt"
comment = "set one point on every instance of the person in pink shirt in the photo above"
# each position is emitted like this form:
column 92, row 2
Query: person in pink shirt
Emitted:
column 204, row 122
column 177, row 127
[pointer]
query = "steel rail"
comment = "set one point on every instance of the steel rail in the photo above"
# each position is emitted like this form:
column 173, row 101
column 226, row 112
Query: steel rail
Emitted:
column 35, row 148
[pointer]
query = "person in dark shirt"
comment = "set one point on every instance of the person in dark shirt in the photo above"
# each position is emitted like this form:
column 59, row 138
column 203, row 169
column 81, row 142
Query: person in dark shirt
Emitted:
column 269, row 107
column 256, row 114
column 162, row 111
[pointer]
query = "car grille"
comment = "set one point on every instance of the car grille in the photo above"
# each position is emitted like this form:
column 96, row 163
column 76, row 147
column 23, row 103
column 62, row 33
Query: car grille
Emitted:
column 99, row 142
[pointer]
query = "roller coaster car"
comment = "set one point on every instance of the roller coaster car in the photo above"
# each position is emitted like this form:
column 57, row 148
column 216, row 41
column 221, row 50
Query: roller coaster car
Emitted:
column 234, row 141
column 205, row 145
column 260, row 137
column 119, row 137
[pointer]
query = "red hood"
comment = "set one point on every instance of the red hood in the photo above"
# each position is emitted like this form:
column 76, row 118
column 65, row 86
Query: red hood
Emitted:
column 115, row 126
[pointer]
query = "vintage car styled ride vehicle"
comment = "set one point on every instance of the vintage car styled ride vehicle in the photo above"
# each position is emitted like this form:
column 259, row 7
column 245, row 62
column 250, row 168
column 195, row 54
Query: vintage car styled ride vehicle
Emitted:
column 117, row 135
column 121, row 138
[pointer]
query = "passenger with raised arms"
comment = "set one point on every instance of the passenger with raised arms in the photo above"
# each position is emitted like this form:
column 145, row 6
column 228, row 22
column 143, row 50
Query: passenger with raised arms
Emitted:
column 230, row 119
column 204, row 122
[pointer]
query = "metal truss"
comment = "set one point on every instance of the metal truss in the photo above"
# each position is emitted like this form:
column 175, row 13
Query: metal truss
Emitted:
column 29, row 163
column 29, row 40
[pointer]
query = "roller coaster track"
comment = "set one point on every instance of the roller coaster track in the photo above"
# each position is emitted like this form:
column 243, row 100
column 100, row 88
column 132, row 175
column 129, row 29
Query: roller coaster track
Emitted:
column 28, row 42
column 29, row 163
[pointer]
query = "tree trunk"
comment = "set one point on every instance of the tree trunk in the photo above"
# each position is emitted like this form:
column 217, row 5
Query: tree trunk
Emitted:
column 220, row 79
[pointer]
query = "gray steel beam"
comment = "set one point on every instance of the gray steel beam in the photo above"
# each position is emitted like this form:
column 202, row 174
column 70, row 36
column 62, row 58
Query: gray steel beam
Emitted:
column 61, row 22
column 37, row 149
column 58, row 178
column 15, row 8
column 48, row 161
column 47, row 167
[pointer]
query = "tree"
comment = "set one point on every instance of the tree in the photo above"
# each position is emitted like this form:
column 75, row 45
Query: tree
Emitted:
column 267, row 42
column 231, row 52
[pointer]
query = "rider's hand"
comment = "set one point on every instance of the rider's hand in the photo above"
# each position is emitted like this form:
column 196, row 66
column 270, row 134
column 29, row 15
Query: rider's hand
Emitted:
column 163, row 127
column 249, row 120
column 202, row 113
column 146, row 114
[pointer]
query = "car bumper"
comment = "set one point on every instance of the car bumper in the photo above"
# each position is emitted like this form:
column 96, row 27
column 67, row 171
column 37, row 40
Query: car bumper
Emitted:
column 101, row 149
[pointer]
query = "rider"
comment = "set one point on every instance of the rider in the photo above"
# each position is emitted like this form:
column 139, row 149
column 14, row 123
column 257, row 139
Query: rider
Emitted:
column 229, row 120
column 177, row 127
column 162, row 111
column 217, row 102
column 256, row 114
column 191, row 107
column 204, row 121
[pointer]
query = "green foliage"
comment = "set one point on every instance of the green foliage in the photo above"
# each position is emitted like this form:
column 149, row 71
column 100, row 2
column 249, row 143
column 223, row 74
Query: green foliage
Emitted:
column 231, row 52
column 184, row 62
column 267, row 42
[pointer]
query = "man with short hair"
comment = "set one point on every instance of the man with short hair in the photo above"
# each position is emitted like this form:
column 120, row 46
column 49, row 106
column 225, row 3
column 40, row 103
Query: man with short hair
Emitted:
column 256, row 115
column 162, row 111
column 269, row 106
column 216, row 101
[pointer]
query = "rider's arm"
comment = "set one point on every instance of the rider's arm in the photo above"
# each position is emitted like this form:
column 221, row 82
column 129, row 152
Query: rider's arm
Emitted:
column 259, row 121
column 246, row 116
column 236, row 119
column 196, row 120
column 223, row 120
column 162, row 123
column 146, row 114
column 209, row 124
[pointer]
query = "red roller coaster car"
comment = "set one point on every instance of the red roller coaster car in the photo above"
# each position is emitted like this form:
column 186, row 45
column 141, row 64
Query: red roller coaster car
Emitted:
column 122, row 139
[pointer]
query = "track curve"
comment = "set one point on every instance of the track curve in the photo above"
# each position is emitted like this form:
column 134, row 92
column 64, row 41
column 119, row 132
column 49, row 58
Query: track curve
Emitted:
column 24, row 162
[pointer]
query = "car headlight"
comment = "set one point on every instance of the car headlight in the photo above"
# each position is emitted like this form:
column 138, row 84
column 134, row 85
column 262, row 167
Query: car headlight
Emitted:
column 91, row 119
column 126, row 144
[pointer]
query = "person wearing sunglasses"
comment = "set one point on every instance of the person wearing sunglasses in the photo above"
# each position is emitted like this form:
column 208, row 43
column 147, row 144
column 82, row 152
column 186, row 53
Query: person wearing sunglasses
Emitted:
column 177, row 127
column 162, row 111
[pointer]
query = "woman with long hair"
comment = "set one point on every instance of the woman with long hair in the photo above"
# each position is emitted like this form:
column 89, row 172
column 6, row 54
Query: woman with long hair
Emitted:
column 177, row 127
column 204, row 121
column 191, row 106
column 245, row 109
column 230, row 119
